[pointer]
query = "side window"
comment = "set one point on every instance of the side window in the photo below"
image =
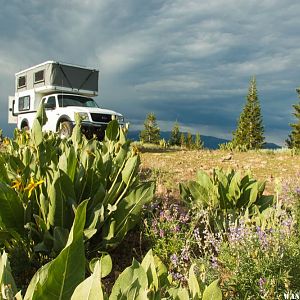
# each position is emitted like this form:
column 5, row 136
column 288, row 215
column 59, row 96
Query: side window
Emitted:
column 21, row 81
column 51, row 101
column 39, row 76
column 24, row 103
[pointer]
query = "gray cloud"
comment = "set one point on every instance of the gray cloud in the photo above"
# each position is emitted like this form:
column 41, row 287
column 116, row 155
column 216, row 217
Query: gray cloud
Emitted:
column 187, row 60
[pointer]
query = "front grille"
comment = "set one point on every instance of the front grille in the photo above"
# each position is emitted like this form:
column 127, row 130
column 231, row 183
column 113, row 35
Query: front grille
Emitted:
column 101, row 118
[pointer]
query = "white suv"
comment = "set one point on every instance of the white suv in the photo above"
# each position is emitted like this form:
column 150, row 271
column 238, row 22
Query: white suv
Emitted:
column 61, row 109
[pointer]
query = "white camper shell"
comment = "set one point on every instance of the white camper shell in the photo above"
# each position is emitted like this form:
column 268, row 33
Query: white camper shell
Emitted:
column 65, row 89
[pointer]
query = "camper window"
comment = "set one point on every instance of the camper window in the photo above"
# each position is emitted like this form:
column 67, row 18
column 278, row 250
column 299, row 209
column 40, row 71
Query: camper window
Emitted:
column 21, row 81
column 39, row 76
column 24, row 103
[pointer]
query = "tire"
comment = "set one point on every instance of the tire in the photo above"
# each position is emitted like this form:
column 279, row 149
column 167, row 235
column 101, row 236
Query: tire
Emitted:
column 25, row 127
column 65, row 130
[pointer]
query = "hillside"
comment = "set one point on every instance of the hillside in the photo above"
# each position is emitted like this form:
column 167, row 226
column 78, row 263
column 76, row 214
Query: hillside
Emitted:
column 210, row 142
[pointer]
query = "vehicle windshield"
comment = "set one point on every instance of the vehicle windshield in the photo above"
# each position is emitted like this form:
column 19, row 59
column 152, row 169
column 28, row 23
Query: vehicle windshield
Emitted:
column 73, row 100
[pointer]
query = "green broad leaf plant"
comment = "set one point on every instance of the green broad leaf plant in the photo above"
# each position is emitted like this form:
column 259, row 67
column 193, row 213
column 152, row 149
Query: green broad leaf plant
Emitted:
column 44, row 179
column 226, row 194
column 63, row 277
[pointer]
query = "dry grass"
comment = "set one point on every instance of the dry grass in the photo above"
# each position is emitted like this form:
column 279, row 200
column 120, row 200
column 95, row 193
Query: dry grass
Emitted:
column 171, row 167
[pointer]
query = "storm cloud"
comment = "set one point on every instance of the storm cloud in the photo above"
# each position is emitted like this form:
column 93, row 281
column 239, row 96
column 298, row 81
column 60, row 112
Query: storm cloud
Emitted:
column 184, row 60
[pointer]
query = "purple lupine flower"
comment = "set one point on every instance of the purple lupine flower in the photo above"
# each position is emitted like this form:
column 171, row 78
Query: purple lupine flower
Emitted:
column 287, row 226
column 161, row 233
column 261, row 283
column 262, row 237
column 214, row 262
column 176, row 276
column 197, row 235
column 174, row 259
column 168, row 216
column 176, row 228
column 184, row 218
column 154, row 226
column 161, row 216
column 185, row 255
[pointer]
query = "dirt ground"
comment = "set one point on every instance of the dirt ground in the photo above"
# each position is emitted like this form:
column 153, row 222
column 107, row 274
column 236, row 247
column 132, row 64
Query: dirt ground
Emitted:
column 171, row 167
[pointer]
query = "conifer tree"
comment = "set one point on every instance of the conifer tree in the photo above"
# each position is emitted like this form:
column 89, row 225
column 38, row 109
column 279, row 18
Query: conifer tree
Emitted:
column 182, row 140
column 189, row 140
column 151, row 132
column 294, row 138
column 250, row 130
column 198, row 143
column 175, row 135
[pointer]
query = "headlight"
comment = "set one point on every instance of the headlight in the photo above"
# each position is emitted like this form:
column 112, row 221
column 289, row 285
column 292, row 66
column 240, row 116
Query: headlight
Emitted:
column 84, row 116
column 120, row 119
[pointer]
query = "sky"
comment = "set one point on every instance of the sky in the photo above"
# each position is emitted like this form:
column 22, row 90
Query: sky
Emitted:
column 189, row 61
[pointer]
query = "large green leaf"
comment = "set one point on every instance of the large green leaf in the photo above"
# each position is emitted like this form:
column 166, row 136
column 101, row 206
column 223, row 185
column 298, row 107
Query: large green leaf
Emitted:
column 212, row 292
column 253, row 193
column 264, row 202
column 76, row 134
column 193, row 283
column 6, row 280
column 234, row 192
column 41, row 115
column 3, row 171
column 61, row 199
column 204, row 179
column 162, row 272
column 36, row 133
column 127, row 213
column 132, row 281
column 130, row 169
column 59, row 278
column 105, row 262
column 60, row 237
column 184, row 192
column 68, row 163
column 112, row 130
column 199, row 193
column 148, row 264
column 178, row 293
column 90, row 288
column 11, row 208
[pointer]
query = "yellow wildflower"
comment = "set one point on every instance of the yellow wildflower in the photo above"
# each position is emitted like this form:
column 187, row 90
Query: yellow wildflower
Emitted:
column 32, row 185
column 134, row 150
column 6, row 141
column 17, row 183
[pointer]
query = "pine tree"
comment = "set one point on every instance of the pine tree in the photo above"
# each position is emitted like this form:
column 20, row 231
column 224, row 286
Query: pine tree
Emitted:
column 151, row 132
column 182, row 140
column 198, row 143
column 189, row 140
column 250, row 130
column 175, row 135
column 294, row 138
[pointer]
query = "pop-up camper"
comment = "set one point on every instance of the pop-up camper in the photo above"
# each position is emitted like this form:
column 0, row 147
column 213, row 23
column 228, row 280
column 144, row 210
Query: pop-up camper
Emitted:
column 65, row 90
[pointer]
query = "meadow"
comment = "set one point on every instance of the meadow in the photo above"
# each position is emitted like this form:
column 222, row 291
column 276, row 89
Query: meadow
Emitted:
column 83, row 219
column 174, row 166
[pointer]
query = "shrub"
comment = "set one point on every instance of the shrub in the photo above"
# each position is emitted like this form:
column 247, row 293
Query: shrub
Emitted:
column 225, row 193
column 230, row 146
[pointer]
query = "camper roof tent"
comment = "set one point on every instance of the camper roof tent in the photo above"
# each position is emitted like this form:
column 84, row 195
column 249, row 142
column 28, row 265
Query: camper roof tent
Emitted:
column 52, row 76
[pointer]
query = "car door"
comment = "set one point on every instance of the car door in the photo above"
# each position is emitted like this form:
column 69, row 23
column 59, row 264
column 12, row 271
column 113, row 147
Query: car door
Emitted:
column 51, row 113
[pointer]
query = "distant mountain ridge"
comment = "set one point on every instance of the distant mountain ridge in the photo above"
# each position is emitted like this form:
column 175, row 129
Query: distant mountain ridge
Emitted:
column 210, row 142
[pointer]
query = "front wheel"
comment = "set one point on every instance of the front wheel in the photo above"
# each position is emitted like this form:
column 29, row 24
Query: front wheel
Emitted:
column 65, row 130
